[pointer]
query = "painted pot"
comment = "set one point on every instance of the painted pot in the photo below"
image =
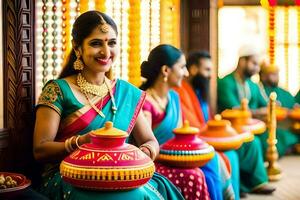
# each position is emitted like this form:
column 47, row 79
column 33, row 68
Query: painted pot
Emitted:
column 186, row 150
column 107, row 163
column 221, row 135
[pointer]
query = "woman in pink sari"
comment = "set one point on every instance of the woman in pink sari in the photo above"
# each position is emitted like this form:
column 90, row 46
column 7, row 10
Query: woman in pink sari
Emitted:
column 162, row 110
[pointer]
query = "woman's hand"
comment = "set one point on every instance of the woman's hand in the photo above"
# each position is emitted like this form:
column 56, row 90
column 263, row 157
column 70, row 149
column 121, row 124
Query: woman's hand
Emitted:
column 144, row 137
column 146, row 151
column 83, row 139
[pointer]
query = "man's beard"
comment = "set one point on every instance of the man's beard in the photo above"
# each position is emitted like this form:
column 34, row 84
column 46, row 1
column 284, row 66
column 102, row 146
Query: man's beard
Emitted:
column 201, row 83
column 248, row 73
column 272, row 84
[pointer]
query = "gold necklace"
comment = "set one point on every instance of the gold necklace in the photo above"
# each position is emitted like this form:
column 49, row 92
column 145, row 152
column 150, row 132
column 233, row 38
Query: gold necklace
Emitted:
column 100, row 91
column 157, row 99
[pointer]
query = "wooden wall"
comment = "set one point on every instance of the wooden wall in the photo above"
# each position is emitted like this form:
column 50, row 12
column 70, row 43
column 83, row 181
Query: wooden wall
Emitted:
column 199, row 30
column 18, row 85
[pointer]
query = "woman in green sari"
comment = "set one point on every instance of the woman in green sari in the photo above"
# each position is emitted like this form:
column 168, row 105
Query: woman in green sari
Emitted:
column 82, row 100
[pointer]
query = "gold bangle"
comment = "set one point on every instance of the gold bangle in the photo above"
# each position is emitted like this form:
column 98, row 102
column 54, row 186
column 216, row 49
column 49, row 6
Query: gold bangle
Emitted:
column 76, row 141
column 70, row 143
column 67, row 145
column 151, row 150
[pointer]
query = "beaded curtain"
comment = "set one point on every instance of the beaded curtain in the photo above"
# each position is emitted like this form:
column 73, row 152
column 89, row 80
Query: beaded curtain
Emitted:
column 142, row 24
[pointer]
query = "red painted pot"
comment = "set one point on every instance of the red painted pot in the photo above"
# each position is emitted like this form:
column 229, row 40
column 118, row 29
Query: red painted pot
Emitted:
column 186, row 149
column 107, row 163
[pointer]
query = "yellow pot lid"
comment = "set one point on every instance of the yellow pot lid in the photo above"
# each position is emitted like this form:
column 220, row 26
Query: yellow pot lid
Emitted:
column 218, row 121
column 235, row 113
column 109, row 131
column 243, row 111
column 186, row 129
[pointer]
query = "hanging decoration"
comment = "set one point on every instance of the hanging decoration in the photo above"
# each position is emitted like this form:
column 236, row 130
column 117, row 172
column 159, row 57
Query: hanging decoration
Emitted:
column 298, row 29
column 100, row 5
column 134, row 56
column 286, row 44
column 170, row 28
column 77, row 8
column 270, row 6
column 66, row 29
column 271, row 33
column 83, row 6
column 54, row 39
column 45, row 41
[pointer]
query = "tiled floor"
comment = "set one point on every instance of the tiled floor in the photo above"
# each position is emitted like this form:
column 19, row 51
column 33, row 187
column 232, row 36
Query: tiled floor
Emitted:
column 288, row 188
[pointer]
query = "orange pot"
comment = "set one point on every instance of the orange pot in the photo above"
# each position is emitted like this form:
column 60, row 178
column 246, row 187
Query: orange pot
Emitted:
column 221, row 135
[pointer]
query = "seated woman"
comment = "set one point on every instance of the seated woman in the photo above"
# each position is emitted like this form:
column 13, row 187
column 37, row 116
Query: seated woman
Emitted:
column 82, row 100
column 165, row 69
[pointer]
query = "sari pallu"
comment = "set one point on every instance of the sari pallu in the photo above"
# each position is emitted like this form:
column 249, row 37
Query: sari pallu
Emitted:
column 77, row 118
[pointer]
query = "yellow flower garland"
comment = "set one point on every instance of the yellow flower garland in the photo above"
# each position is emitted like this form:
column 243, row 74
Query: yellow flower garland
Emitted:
column 134, row 57
column 271, row 32
column 169, row 22
column 100, row 5
column 84, row 6
column 286, row 44
column 298, row 29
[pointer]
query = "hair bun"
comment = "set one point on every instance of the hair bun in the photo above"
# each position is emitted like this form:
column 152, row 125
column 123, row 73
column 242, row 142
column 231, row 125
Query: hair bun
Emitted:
column 145, row 69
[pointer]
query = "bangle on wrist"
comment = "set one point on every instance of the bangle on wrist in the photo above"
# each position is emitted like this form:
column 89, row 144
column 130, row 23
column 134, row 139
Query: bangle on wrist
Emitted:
column 77, row 140
column 67, row 146
column 70, row 143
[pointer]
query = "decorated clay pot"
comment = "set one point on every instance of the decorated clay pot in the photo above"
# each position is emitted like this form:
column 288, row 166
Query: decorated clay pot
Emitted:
column 221, row 135
column 107, row 163
column 295, row 116
column 243, row 117
column 281, row 113
column 186, row 149
column 243, row 131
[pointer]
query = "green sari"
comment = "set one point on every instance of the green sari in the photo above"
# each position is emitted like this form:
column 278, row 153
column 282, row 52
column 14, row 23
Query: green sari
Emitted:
column 77, row 118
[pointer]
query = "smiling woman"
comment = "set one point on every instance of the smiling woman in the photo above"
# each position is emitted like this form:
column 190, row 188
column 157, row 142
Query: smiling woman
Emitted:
column 82, row 100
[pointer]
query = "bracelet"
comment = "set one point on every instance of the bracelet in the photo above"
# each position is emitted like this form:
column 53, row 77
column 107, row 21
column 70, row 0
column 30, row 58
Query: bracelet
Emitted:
column 76, row 141
column 70, row 143
column 151, row 150
column 67, row 145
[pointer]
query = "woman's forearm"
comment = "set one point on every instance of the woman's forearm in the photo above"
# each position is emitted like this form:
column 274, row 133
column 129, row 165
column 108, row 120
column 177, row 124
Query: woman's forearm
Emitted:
column 50, row 152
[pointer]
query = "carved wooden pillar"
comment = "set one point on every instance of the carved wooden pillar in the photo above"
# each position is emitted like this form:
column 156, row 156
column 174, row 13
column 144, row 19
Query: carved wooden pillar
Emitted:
column 19, row 81
column 199, row 30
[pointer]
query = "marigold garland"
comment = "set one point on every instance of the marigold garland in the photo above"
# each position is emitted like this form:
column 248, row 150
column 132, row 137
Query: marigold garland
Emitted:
column 286, row 44
column 271, row 32
column 100, row 5
column 83, row 6
column 134, row 57
column 298, row 29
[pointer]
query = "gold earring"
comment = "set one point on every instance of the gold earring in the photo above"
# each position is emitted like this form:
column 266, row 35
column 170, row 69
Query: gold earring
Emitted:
column 165, row 79
column 78, row 65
